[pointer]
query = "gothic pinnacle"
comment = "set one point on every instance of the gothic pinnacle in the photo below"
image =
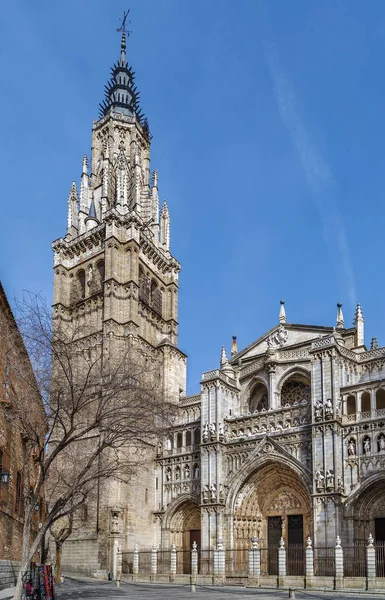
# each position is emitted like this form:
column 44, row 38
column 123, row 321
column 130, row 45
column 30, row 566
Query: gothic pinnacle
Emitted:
column 340, row 316
column 224, row 358
column 85, row 165
column 282, row 312
column 234, row 349
column 359, row 325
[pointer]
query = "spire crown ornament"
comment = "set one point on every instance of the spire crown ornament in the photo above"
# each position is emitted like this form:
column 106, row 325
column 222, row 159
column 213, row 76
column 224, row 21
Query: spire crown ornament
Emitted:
column 234, row 348
column 340, row 316
column 224, row 358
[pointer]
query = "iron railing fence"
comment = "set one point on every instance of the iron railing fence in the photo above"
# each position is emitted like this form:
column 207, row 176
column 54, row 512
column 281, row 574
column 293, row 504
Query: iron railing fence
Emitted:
column 206, row 562
column 127, row 562
column 380, row 559
column 295, row 560
column 183, row 562
column 355, row 560
column 163, row 562
column 324, row 562
column 145, row 562
column 269, row 560
column 237, row 562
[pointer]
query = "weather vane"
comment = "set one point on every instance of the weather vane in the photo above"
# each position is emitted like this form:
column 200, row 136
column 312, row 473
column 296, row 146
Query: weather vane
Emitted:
column 123, row 28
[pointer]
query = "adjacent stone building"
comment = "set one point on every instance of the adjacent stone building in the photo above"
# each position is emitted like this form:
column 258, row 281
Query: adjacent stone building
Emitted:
column 15, row 375
column 286, row 437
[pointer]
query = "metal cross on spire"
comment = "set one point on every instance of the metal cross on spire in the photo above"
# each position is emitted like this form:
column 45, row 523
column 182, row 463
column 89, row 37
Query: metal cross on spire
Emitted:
column 122, row 27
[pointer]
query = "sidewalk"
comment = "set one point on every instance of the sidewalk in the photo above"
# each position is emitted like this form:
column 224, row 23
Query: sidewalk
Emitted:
column 7, row 593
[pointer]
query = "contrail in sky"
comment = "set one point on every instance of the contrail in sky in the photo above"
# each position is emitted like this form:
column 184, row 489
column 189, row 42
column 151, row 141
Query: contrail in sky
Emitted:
column 317, row 171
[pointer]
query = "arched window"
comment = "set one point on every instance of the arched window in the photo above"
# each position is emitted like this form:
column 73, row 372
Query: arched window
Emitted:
column 81, row 278
column 295, row 390
column 380, row 399
column 179, row 440
column 258, row 399
column 351, row 405
column 365, row 402
column 188, row 438
column 100, row 268
column 155, row 297
column 197, row 437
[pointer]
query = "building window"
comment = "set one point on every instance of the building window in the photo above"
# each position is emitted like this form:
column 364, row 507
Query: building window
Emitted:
column 81, row 279
column 365, row 402
column 351, row 405
column 19, row 495
column 188, row 438
column 295, row 390
column 100, row 268
column 380, row 399
column 258, row 398
column 179, row 440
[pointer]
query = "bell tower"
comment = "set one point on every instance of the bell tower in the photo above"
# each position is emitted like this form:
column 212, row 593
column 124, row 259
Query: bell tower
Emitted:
column 114, row 271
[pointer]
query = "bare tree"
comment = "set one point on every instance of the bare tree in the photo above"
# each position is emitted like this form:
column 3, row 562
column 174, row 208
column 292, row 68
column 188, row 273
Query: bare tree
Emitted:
column 103, row 405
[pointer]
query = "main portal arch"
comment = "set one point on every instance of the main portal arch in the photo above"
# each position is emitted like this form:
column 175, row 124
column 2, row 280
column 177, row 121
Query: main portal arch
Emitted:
column 273, row 502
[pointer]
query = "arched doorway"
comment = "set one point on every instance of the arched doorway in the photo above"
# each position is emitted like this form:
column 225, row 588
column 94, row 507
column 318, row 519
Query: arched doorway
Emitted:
column 273, row 503
column 369, row 512
column 185, row 529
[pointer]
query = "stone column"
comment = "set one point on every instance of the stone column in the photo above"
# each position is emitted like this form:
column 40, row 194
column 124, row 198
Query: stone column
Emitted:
column 194, row 560
column 219, row 563
column 358, row 405
column 309, row 557
column 154, row 562
column 373, row 403
column 173, row 563
column 118, row 565
column 281, row 563
column 271, row 367
column 184, row 438
column 135, row 560
column 254, row 563
column 370, row 564
column 339, row 565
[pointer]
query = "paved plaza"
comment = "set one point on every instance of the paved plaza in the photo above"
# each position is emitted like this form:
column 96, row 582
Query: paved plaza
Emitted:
column 103, row 590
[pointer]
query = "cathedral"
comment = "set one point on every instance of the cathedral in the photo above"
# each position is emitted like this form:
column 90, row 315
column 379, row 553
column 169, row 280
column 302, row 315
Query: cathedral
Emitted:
column 286, row 438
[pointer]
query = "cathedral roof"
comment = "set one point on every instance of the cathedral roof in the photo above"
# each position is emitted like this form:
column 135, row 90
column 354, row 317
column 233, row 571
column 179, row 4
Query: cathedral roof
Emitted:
column 121, row 93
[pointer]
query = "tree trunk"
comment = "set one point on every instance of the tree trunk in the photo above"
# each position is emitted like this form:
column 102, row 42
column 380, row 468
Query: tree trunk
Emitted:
column 58, row 563
column 27, row 554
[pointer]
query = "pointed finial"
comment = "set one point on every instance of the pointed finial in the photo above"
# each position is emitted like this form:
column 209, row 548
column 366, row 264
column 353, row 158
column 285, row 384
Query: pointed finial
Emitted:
column 358, row 316
column 224, row 358
column 281, row 543
column 92, row 211
column 338, row 541
column 374, row 344
column 282, row 312
column 340, row 316
column 85, row 165
column 309, row 542
column 155, row 179
column 234, row 349
column 370, row 540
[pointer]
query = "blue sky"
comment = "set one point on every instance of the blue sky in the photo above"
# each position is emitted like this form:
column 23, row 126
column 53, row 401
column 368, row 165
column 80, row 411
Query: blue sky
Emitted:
column 268, row 122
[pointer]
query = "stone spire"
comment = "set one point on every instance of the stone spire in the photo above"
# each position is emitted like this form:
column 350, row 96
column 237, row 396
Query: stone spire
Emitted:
column 121, row 94
column 91, row 221
column 165, row 227
column 224, row 358
column 73, row 208
column 234, row 349
column 340, row 316
column 282, row 312
column 359, row 325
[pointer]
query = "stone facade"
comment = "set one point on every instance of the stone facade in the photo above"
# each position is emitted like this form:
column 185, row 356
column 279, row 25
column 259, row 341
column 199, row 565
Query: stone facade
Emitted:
column 286, row 439
column 15, row 371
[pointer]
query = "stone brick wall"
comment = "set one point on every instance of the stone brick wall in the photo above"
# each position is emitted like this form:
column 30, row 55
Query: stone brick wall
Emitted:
column 80, row 555
column 8, row 573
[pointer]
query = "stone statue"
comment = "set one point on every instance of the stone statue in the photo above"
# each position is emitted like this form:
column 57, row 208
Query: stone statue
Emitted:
column 213, row 491
column 339, row 407
column 206, row 493
column 221, row 492
column 340, row 485
column 213, row 431
column 115, row 522
column 220, row 432
column 329, row 479
column 367, row 446
column 159, row 449
column 205, row 432
column 328, row 408
column 381, row 443
column 186, row 472
column 319, row 481
column 196, row 472
column 351, row 447
column 318, row 410
column 177, row 473
column 168, row 474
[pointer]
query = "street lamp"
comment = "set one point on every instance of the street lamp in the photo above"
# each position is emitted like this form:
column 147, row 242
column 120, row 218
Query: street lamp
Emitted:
column 4, row 477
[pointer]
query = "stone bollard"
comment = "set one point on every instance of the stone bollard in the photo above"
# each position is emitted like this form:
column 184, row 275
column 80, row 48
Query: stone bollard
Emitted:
column 338, row 565
column 154, row 562
column 254, row 563
column 118, row 565
column 309, row 568
column 281, row 563
column 135, row 560
column 219, row 562
column 291, row 593
column 370, row 564
column 173, row 563
column 194, row 560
